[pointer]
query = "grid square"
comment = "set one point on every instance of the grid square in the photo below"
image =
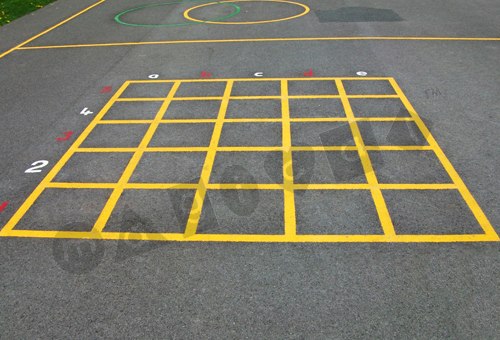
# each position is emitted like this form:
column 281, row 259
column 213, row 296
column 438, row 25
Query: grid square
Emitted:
column 408, row 167
column 242, row 212
column 378, row 107
column 436, row 212
column 147, row 90
column 193, row 109
column 336, row 212
column 116, row 136
column 201, row 89
column 327, row 167
column 255, row 108
column 321, row 134
column 133, row 110
column 94, row 167
column 151, row 211
column 180, row 134
column 316, row 108
column 312, row 87
column 368, row 87
column 391, row 133
column 169, row 167
column 247, row 167
column 256, row 88
column 251, row 134
column 65, row 210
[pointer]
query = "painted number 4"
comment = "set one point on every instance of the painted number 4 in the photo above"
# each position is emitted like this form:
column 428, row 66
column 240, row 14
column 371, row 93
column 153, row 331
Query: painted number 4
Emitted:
column 86, row 111
column 35, row 167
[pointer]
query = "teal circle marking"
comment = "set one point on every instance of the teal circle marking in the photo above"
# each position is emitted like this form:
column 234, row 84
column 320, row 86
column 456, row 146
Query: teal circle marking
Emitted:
column 120, row 21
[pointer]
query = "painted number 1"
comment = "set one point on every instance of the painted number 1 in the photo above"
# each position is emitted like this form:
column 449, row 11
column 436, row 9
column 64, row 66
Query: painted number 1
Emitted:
column 35, row 167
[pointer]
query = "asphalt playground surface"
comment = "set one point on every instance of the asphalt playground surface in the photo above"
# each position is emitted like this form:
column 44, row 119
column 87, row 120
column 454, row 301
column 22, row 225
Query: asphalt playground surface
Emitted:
column 409, row 250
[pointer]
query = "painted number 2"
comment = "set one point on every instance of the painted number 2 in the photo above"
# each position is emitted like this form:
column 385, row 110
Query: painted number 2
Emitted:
column 35, row 167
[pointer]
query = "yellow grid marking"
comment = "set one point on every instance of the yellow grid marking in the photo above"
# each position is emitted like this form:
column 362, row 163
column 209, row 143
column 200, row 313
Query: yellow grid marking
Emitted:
column 287, row 187
column 134, row 161
column 261, row 148
column 199, row 197
column 467, row 196
column 383, row 213
column 253, row 238
column 258, row 120
column 55, row 170
column 289, row 196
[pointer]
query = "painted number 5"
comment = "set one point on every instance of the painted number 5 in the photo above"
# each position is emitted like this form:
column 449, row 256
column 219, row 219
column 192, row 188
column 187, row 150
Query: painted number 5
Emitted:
column 35, row 167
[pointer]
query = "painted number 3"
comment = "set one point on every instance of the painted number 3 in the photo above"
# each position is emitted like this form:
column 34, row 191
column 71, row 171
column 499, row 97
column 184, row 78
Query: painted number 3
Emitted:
column 35, row 167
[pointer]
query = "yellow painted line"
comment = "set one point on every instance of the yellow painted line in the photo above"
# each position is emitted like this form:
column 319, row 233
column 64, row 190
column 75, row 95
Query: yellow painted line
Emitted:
column 104, row 150
column 134, row 161
column 150, row 149
column 258, row 40
column 178, row 237
column 384, row 119
column 199, row 197
column 378, row 198
column 252, row 120
column 76, row 185
column 249, row 148
column 345, row 119
column 50, row 29
column 255, row 186
column 289, row 196
column 318, row 119
column 398, row 147
column 60, row 164
column 196, row 98
column 245, row 186
column 455, row 177
column 161, row 186
column 261, row 148
column 177, row 149
column 417, row 186
column 256, row 97
column 126, row 99
column 324, row 148
column 372, row 96
column 184, row 121
column 315, row 96
column 125, row 121
column 332, row 186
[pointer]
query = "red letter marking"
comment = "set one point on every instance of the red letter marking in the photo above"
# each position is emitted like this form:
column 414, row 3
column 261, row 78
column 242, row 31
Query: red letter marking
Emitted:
column 106, row 89
column 4, row 205
column 309, row 73
column 205, row 74
column 67, row 135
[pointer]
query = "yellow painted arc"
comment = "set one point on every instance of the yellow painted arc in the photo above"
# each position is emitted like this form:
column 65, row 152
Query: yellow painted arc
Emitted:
column 188, row 17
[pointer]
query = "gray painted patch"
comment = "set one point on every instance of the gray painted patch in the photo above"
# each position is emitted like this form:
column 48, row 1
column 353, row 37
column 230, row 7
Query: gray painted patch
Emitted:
column 357, row 14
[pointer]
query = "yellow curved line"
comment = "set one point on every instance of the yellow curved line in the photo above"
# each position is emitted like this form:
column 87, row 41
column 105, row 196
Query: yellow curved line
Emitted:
column 186, row 13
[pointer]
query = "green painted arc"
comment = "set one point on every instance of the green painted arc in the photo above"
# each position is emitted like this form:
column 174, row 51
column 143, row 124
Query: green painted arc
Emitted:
column 120, row 21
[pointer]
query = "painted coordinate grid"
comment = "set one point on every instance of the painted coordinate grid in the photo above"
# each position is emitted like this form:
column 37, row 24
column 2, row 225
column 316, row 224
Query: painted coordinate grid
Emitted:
column 288, row 185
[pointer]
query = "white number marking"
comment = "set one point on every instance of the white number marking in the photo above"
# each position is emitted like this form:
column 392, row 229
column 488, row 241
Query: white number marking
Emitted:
column 153, row 76
column 259, row 74
column 35, row 167
column 86, row 111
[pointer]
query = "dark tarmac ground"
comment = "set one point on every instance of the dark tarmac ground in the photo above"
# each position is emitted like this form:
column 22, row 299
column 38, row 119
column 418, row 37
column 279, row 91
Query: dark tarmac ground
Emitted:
column 251, row 169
